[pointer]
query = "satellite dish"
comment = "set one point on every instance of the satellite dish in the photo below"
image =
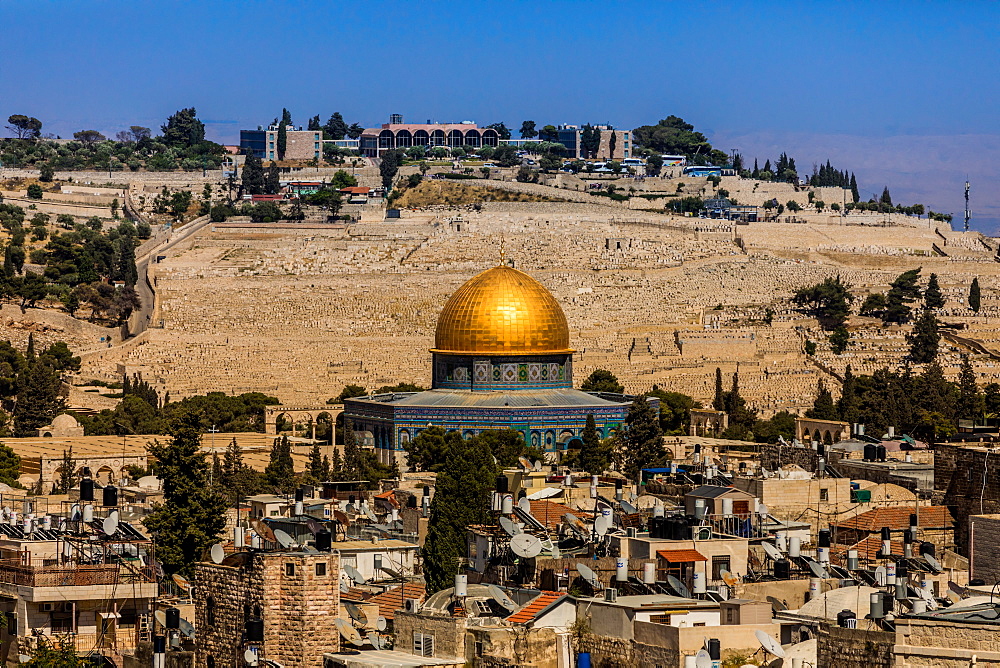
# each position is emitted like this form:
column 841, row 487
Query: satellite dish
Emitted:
column 218, row 553
column 679, row 587
column 341, row 518
column 730, row 579
column 880, row 576
column 353, row 573
column 509, row 527
column 953, row 597
column 769, row 644
column 933, row 563
column 576, row 524
column 349, row 633
column 74, row 513
column 237, row 559
column 772, row 551
column 602, row 524
column 186, row 627
column 344, row 587
column 776, row 605
column 588, row 575
column 627, row 507
column 250, row 657
column 374, row 640
column 524, row 504
column 525, row 545
column 283, row 539
column 818, row 570
column 498, row 595
column 524, row 462
column 110, row 525
column 181, row 582
column 263, row 530
column 369, row 514
column 380, row 623
column 703, row 659
column 356, row 613
column 314, row 526
column 309, row 550
column 544, row 493
column 161, row 618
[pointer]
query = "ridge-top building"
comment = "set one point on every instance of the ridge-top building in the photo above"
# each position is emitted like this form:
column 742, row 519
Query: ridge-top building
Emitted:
column 501, row 360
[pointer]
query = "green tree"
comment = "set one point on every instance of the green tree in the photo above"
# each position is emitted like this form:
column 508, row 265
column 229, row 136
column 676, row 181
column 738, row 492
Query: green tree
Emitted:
column 719, row 402
column 675, row 410
column 56, row 653
column 975, row 298
column 672, row 135
column 933, row 299
column 389, row 166
column 34, row 191
column 253, row 175
column 192, row 514
column 594, row 454
column 502, row 131
column 612, row 142
column 829, row 301
column 46, row 173
column 839, row 340
column 924, row 338
column 823, row 406
column 286, row 120
column 902, row 292
column 847, row 404
column 183, row 129
column 280, row 471
column 349, row 392
column 506, row 156
column 886, row 198
column 873, row 305
column 654, row 164
column 67, row 473
column 855, row 195
column 272, row 179
column 10, row 466
column 461, row 498
column 971, row 404
column 528, row 130
column 314, row 468
column 39, row 399
column 602, row 380
column 336, row 127
column 428, row 450
column 641, row 439
column 24, row 127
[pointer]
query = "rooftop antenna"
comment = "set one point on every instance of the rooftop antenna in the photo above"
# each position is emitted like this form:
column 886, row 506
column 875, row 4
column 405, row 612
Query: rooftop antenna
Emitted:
column 968, row 214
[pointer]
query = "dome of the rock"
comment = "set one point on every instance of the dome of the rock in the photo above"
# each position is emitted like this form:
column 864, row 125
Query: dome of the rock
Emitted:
column 502, row 311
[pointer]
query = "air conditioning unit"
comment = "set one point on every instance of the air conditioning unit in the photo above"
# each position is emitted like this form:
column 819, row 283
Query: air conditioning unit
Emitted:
column 703, row 533
column 631, row 532
column 610, row 594
column 49, row 607
column 412, row 605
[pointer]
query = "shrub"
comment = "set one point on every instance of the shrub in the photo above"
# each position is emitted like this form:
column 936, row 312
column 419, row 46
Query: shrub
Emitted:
column 34, row 191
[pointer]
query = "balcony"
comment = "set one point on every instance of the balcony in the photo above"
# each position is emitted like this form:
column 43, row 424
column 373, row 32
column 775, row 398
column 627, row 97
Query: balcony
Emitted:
column 14, row 572
column 119, row 641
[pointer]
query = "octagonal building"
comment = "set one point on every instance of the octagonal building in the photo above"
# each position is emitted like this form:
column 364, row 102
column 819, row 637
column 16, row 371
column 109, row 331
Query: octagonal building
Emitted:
column 501, row 360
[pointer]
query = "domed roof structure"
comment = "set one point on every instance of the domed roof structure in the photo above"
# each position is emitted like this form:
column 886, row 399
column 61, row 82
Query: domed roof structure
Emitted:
column 502, row 311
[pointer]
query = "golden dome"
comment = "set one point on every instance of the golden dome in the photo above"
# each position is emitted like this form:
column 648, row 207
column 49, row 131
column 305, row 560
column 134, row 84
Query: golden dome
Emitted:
column 500, row 311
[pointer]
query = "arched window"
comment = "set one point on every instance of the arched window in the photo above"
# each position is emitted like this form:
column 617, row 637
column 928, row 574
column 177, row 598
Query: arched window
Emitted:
column 210, row 611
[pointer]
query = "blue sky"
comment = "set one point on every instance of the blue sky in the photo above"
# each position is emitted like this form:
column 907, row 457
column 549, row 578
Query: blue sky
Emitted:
column 904, row 94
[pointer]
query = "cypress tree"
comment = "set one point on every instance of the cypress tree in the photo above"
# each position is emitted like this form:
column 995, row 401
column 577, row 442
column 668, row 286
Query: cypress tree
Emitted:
column 67, row 472
column 253, row 175
column 316, row 473
column 719, row 403
column 971, row 403
column 272, row 179
column 974, row 295
column 823, row 406
column 39, row 399
column 924, row 338
column 593, row 455
column 886, row 198
column 461, row 498
column 854, row 189
column 847, row 405
column 280, row 472
column 192, row 514
column 641, row 439
column 932, row 295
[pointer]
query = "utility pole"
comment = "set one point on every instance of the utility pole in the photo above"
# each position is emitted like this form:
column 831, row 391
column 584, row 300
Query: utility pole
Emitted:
column 968, row 214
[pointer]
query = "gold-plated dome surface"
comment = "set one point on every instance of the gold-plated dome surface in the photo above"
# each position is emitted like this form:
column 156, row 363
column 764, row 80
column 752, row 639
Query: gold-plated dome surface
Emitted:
column 502, row 310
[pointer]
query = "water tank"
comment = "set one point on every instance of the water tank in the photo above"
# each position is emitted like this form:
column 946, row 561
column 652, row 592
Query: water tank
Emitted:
column 852, row 560
column 507, row 504
column 649, row 572
column 461, row 585
column 583, row 660
column 824, row 538
column 781, row 542
column 86, row 489
column 656, row 527
column 173, row 618
column 714, row 649
column 886, row 533
column 794, row 547
column 869, row 452
column 875, row 603
column 299, row 494
column 919, row 607
column 621, row 569
column 913, row 523
column 907, row 536
column 727, row 507
column 110, row 496
column 255, row 630
column 699, row 508
column 782, row 569
column 842, row 619
column 698, row 583
column 880, row 452
column 159, row 644
column 324, row 540
column 88, row 513
column 927, row 548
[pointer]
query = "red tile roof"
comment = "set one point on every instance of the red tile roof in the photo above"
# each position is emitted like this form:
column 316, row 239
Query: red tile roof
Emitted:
column 550, row 513
column 535, row 607
column 356, row 190
column 897, row 518
column 392, row 600
column 867, row 550
column 680, row 556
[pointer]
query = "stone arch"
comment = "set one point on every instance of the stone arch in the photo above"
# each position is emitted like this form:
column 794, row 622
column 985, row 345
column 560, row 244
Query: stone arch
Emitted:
column 421, row 138
column 827, row 438
column 47, row 434
column 491, row 137
column 404, row 139
column 105, row 474
column 323, row 426
column 564, row 438
column 305, row 414
column 473, row 138
column 816, row 436
column 574, row 443
column 386, row 139
column 455, row 138
column 550, row 439
column 404, row 436
column 536, row 439
column 438, row 138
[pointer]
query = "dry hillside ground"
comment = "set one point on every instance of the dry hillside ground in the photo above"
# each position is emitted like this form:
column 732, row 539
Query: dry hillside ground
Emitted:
column 430, row 193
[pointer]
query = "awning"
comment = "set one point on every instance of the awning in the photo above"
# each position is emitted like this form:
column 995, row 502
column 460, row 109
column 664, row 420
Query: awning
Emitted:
column 109, row 615
column 680, row 556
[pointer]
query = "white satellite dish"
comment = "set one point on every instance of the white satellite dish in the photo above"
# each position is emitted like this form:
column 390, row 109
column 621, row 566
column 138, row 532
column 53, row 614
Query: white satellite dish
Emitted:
column 524, row 504
column 353, row 573
column 679, row 587
column 250, row 657
column 186, row 627
column 181, row 581
column 161, row 618
column 349, row 633
column 933, row 563
column 380, row 623
column 500, row 597
column 703, row 659
column 588, row 575
column 576, row 524
column 526, row 463
column 74, row 513
column 369, row 514
column 543, row 493
column 509, row 527
column 374, row 640
column 627, row 507
column 769, row 644
column 818, row 570
column 880, row 576
column 344, row 587
column 356, row 613
column 283, row 539
column 602, row 524
column 218, row 553
column 772, row 551
column 525, row 545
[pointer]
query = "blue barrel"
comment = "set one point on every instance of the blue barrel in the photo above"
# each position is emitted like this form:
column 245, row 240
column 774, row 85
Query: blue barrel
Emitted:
column 583, row 660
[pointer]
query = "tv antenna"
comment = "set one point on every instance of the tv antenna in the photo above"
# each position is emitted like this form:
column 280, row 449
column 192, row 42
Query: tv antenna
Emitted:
column 968, row 214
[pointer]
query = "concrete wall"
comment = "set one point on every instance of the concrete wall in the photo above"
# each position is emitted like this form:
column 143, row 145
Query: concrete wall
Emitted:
column 984, row 546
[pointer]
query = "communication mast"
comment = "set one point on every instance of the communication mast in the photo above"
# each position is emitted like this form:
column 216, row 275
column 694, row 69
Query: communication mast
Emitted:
column 968, row 214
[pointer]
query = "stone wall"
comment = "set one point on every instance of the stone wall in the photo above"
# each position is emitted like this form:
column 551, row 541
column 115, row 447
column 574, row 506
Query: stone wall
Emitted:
column 932, row 643
column 968, row 485
column 449, row 633
column 774, row 455
column 853, row 648
column 298, row 607
column 984, row 546
column 608, row 652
